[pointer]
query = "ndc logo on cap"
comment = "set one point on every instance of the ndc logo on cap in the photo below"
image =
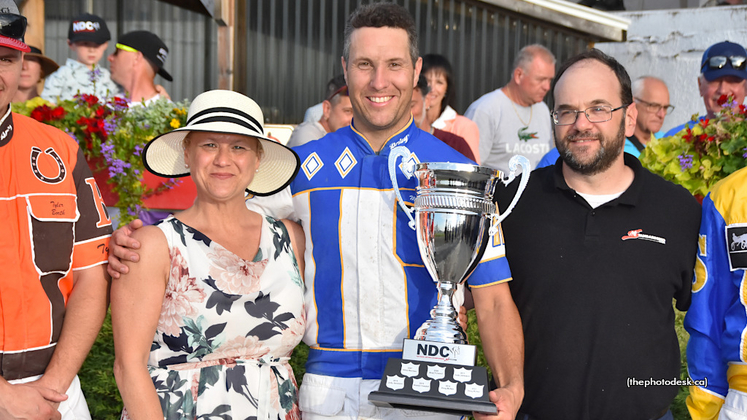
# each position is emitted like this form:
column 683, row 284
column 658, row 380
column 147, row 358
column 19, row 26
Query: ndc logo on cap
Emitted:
column 86, row 26
column 162, row 54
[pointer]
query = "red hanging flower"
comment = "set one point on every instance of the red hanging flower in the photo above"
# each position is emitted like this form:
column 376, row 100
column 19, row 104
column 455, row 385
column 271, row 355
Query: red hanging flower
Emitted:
column 119, row 102
column 38, row 113
column 44, row 113
column 91, row 100
column 722, row 100
column 688, row 137
column 58, row 113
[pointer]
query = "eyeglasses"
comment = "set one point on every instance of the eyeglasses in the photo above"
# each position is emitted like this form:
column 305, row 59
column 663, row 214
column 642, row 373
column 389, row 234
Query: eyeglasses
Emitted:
column 716, row 62
column 595, row 114
column 12, row 26
column 655, row 108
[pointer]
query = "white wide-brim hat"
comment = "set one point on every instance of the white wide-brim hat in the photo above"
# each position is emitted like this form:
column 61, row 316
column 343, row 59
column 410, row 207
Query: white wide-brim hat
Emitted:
column 224, row 111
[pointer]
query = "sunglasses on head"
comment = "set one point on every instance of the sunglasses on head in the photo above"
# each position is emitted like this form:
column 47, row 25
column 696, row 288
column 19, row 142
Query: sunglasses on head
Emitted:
column 12, row 26
column 341, row 90
column 738, row 62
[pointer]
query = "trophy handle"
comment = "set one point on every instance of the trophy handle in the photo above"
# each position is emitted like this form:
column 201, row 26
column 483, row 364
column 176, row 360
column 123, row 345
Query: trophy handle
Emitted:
column 513, row 165
column 408, row 169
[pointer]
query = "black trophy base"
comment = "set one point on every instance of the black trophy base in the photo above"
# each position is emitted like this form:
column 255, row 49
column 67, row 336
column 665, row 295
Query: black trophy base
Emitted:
column 435, row 387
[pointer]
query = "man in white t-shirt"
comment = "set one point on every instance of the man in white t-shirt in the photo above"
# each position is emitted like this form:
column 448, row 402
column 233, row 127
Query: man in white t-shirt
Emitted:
column 513, row 120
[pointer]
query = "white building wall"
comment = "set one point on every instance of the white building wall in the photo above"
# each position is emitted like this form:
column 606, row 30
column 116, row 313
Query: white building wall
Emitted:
column 669, row 44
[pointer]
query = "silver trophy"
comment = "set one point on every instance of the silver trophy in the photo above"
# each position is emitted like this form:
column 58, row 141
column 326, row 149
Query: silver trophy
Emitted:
column 455, row 217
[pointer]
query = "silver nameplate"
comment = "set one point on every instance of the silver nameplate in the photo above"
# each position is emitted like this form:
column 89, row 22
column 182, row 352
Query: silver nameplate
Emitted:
column 435, row 352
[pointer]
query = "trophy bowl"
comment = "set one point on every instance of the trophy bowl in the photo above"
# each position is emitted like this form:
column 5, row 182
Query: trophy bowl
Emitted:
column 454, row 217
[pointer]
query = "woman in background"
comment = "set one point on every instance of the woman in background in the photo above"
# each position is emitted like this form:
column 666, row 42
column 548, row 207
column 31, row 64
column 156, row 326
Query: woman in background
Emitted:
column 441, row 115
column 36, row 66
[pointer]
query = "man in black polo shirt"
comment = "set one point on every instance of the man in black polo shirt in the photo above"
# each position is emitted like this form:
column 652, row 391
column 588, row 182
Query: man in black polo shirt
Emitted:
column 598, row 247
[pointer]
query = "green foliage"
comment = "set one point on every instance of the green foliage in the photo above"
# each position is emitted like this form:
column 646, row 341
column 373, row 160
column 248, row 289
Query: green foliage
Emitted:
column 678, row 407
column 473, row 335
column 699, row 156
column 298, row 361
column 97, row 377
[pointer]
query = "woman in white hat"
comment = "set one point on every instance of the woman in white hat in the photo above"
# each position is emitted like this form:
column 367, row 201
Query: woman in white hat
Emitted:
column 205, row 323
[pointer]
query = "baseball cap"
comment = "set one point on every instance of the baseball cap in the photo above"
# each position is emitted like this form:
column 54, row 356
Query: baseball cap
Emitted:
column 12, row 26
column 151, row 46
column 724, row 59
column 88, row 27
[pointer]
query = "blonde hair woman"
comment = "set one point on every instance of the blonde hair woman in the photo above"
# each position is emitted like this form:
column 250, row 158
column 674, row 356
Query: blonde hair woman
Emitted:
column 205, row 323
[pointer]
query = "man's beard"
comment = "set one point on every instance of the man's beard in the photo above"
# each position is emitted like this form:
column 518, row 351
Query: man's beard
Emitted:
column 608, row 152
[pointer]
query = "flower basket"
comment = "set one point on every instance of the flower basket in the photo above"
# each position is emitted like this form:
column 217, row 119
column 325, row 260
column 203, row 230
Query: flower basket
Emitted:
column 704, row 152
column 112, row 136
column 180, row 197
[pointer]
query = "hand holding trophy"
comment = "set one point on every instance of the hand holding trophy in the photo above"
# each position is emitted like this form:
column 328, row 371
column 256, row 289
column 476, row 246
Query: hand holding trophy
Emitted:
column 454, row 218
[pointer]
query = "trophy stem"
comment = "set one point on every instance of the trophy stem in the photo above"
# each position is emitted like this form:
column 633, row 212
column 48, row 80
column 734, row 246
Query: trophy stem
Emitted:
column 443, row 326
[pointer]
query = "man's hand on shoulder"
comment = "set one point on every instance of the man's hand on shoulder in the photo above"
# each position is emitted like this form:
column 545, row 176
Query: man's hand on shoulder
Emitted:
column 29, row 402
column 121, row 248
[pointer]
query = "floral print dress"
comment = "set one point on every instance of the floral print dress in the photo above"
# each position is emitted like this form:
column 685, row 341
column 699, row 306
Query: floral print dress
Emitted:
column 227, row 328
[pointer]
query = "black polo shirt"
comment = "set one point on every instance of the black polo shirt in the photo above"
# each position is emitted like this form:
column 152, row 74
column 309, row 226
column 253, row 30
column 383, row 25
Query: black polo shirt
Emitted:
column 594, row 288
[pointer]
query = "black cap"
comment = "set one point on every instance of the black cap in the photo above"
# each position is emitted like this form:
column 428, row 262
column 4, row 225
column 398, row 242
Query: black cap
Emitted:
column 88, row 27
column 152, row 48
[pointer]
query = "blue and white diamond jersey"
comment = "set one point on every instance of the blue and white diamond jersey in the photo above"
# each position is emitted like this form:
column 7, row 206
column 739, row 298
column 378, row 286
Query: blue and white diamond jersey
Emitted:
column 367, row 287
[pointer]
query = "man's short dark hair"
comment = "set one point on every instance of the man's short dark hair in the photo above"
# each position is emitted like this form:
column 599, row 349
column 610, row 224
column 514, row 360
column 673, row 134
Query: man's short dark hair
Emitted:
column 626, row 94
column 333, row 86
column 422, row 85
column 381, row 15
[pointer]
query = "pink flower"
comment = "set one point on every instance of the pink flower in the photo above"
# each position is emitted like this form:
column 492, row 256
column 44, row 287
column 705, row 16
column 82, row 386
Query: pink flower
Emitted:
column 233, row 274
column 291, row 336
column 181, row 291
column 195, row 386
column 274, row 397
column 239, row 348
column 294, row 414
column 124, row 415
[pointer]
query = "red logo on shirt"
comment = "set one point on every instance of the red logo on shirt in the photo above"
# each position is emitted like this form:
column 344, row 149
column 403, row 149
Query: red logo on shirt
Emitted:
column 636, row 234
column 632, row 234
